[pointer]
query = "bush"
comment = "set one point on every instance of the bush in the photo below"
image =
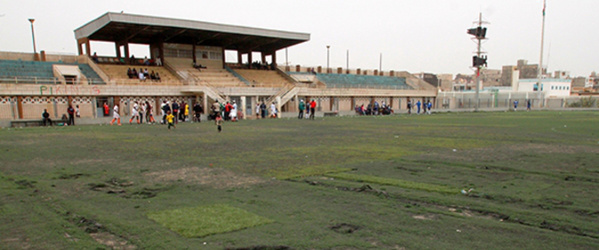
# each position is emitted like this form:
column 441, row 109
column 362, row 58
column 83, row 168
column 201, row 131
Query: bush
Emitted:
column 583, row 103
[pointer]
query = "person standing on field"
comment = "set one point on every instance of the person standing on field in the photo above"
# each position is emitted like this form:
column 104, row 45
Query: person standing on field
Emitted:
column 219, row 122
column 106, row 109
column 197, row 111
column 301, row 107
column 257, row 111
column 186, row 112
column 312, row 109
column 170, row 119
column 115, row 115
column 263, row 110
column 176, row 111
column 71, row 112
column 134, row 113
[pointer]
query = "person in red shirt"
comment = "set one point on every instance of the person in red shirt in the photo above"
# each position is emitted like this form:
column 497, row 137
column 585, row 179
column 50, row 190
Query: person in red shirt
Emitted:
column 228, row 108
column 106, row 109
column 312, row 109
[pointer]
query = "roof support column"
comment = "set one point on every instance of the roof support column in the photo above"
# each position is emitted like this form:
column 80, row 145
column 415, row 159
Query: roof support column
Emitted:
column 193, row 51
column 263, row 57
column 80, row 43
column 274, row 58
column 117, row 47
column 250, row 59
column 239, row 57
column 224, row 61
column 126, row 45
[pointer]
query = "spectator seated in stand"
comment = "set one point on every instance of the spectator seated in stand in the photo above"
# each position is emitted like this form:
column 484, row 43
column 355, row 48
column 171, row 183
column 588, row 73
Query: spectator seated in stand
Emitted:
column 157, row 77
column 198, row 66
column 95, row 57
column 130, row 73
column 134, row 73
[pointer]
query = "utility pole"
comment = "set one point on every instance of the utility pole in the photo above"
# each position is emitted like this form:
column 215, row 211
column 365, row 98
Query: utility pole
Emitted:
column 540, row 70
column 328, row 47
column 347, row 62
column 478, row 61
column 381, row 63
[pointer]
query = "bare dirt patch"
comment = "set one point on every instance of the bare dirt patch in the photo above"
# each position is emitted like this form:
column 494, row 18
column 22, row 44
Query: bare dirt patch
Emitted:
column 424, row 216
column 111, row 240
column 214, row 177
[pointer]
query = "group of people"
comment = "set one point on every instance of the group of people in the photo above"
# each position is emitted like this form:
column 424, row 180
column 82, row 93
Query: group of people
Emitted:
column 264, row 66
column 310, row 109
column 171, row 113
column 69, row 118
column 133, row 61
column 227, row 111
column 180, row 111
column 425, row 106
column 374, row 109
column 262, row 111
column 143, row 75
column 138, row 111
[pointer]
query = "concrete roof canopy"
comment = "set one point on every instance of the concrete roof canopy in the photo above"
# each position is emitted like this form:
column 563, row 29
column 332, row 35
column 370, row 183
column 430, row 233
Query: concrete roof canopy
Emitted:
column 130, row 28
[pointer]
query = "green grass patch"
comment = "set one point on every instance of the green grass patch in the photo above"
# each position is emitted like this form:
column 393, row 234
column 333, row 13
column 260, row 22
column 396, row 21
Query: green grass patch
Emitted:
column 395, row 182
column 207, row 220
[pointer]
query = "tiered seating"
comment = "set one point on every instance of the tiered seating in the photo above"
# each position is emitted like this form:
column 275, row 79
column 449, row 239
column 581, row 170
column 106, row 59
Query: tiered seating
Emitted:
column 263, row 78
column 91, row 75
column 9, row 68
column 210, row 76
column 362, row 81
column 305, row 77
column 118, row 73
column 41, row 70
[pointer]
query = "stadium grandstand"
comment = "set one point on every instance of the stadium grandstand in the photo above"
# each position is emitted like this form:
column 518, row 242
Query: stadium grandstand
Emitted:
column 186, row 63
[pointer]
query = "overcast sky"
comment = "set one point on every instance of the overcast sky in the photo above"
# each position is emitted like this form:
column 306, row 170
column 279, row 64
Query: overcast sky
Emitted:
column 417, row 36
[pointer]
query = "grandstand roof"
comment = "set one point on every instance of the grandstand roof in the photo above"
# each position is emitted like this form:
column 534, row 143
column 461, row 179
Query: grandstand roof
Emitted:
column 120, row 27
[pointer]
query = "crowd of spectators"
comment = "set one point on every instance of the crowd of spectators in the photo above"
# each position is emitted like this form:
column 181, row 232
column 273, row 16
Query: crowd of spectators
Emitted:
column 374, row 109
column 143, row 75
column 261, row 66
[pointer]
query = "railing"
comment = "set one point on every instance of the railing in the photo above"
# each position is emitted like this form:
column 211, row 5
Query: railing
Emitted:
column 54, row 80
column 237, row 75
column 95, row 68
column 366, row 86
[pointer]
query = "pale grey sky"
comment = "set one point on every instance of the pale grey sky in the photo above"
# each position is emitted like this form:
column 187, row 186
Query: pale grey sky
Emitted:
column 417, row 36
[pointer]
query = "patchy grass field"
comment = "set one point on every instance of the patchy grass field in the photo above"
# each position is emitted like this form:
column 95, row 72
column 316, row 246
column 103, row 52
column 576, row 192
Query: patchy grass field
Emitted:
column 457, row 180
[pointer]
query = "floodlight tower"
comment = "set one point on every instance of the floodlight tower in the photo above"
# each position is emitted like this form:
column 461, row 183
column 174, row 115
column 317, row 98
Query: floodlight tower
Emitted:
column 478, row 61
column 31, row 20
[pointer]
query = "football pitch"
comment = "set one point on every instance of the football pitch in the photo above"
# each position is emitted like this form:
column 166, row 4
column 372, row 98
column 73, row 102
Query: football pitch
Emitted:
column 503, row 180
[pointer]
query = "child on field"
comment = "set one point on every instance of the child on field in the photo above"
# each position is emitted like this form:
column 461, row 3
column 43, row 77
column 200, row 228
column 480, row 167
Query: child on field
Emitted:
column 219, row 122
column 170, row 118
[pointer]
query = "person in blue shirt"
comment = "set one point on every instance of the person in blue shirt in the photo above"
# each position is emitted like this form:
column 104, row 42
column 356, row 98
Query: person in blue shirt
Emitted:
column 429, row 106
column 418, row 105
